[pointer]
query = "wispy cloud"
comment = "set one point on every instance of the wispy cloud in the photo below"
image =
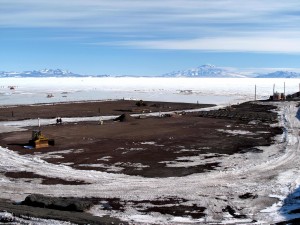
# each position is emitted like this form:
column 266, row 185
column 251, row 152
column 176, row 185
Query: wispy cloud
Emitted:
column 219, row 25
column 224, row 44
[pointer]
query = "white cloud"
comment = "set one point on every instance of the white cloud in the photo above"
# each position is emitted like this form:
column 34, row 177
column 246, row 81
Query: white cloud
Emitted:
column 231, row 44
column 218, row 25
column 136, row 12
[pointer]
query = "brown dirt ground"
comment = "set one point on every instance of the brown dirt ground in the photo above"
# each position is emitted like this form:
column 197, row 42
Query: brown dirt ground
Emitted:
column 87, row 109
column 25, row 211
column 128, row 144
column 141, row 146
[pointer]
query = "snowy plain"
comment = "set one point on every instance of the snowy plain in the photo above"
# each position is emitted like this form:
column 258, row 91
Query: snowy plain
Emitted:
column 273, row 175
column 191, row 90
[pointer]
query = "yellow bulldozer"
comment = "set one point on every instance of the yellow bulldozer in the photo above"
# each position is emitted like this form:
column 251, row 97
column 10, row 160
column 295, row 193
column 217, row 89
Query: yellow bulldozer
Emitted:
column 38, row 140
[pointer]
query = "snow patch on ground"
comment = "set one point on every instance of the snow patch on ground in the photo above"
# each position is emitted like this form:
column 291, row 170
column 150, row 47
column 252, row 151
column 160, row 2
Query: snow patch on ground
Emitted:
column 193, row 150
column 6, row 129
column 11, row 219
column 134, row 165
column 236, row 132
column 116, row 167
column 58, row 154
column 191, row 161
column 148, row 143
column 108, row 168
column 105, row 158
column 43, row 122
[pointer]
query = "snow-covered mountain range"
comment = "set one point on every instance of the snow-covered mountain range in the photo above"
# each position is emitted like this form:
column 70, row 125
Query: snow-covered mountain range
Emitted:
column 280, row 74
column 39, row 73
column 213, row 71
column 44, row 73
column 204, row 71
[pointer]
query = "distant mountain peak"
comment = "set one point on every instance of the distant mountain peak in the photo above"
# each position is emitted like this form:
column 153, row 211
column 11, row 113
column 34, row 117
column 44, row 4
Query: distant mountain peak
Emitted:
column 45, row 73
column 208, row 66
column 206, row 70
column 55, row 71
column 203, row 71
column 280, row 74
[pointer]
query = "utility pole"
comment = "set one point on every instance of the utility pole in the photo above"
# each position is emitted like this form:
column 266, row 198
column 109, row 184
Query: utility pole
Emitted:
column 284, row 90
column 39, row 123
column 255, row 93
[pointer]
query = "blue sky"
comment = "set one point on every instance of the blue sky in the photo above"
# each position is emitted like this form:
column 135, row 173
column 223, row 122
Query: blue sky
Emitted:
column 143, row 37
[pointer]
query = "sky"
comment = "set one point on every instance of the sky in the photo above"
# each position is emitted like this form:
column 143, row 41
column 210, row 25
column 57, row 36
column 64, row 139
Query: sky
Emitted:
column 143, row 37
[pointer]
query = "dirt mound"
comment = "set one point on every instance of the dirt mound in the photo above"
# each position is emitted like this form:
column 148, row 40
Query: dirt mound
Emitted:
column 65, row 204
column 124, row 118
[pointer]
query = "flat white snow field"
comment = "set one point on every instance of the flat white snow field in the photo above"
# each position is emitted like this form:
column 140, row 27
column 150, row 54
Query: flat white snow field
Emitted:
column 203, row 90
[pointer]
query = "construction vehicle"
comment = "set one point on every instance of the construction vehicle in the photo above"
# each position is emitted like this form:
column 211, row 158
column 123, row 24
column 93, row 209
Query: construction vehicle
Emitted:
column 38, row 140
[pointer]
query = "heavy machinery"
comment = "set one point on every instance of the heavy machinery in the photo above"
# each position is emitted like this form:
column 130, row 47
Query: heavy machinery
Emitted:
column 38, row 140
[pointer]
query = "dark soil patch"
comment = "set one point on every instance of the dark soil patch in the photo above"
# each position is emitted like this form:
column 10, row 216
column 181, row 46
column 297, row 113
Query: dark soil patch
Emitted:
column 86, row 109
column 65, row 204
column 248, row 111
column 295, row 211
column 233, row 213
column 62, row 205
column 163, row 201
column 124, row 118
column 45, row 180
column 253, row 150
column 169, row 206
column 290, row 222
column 194, row 211
column 25, row 211
column 247, row 196
column 144, row 146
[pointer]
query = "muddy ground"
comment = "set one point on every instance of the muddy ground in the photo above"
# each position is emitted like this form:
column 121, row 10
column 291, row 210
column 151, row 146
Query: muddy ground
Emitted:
column 148, row 147
column 88, row 109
